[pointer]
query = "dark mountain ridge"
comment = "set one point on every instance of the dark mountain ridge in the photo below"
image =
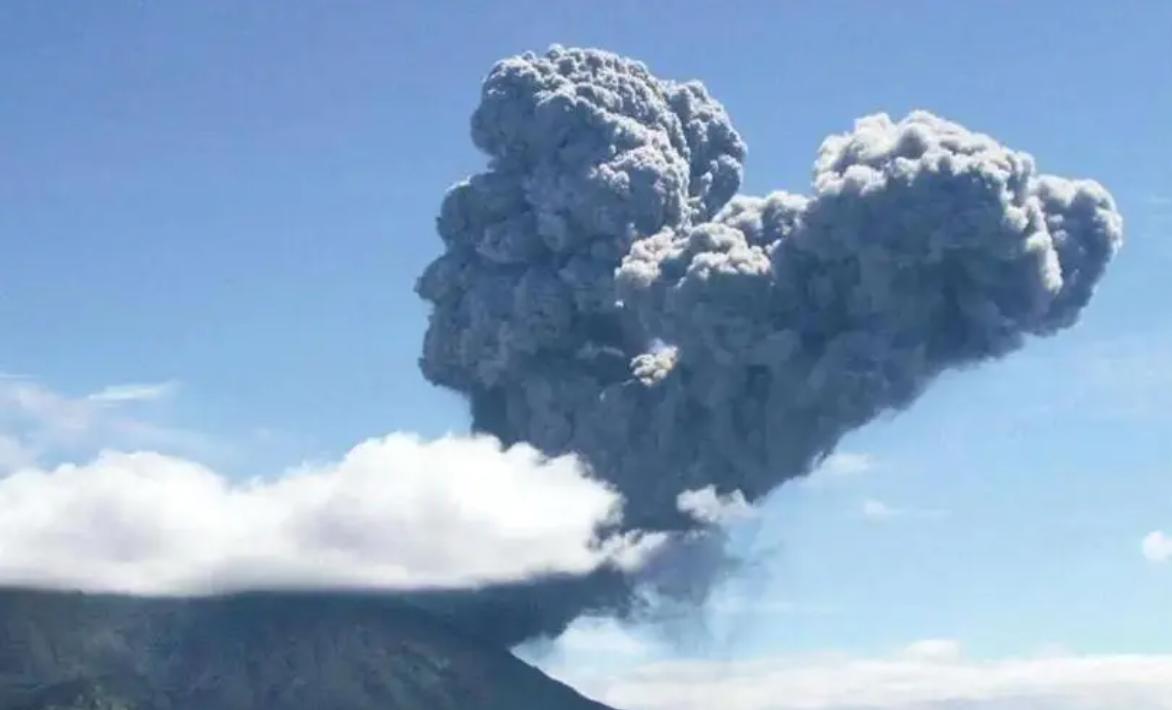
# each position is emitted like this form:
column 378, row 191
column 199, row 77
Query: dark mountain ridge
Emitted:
column 270, row 651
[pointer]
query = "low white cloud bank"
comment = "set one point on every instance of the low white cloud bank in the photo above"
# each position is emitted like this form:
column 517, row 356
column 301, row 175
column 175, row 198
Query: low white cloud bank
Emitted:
column 927, row 675
column 395, row 512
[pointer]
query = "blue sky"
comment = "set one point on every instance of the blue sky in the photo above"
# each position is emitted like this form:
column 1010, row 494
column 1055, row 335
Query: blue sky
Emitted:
column 235, row 198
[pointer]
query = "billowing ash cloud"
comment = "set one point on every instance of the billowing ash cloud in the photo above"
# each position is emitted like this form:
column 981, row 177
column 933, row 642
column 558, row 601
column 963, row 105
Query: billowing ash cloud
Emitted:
column 792, row 320
column 603, row 292
column 589, row 153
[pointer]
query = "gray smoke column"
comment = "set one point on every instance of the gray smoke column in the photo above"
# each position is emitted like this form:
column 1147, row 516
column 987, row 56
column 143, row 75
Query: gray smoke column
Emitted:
column 603, row 292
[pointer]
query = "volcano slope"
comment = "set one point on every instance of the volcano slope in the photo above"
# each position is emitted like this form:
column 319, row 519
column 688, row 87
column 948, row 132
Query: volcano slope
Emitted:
column 278, row 651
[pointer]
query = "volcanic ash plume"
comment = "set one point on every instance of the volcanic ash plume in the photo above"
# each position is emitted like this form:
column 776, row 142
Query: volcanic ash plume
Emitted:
column 603, row 292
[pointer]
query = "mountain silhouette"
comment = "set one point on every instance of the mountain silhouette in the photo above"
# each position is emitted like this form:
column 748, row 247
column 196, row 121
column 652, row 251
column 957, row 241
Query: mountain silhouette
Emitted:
column 258, row 651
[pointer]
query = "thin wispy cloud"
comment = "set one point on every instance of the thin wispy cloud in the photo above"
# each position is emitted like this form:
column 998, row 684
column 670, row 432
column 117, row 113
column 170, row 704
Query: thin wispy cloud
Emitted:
column 14, row 454
column 737, row 606
column 1128, row 375
column 840, row 467
column 123, row 394
column 933, row 674
column 41, row 425
column 879, row 511
column 1157, row 546
column 848, row 463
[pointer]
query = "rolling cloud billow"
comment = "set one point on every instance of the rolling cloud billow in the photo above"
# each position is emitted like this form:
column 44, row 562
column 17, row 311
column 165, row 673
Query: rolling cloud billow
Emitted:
column 603, row 291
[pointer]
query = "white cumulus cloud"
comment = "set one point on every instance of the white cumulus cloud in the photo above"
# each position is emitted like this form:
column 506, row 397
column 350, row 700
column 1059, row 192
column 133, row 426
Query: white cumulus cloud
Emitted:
column 394, row 512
